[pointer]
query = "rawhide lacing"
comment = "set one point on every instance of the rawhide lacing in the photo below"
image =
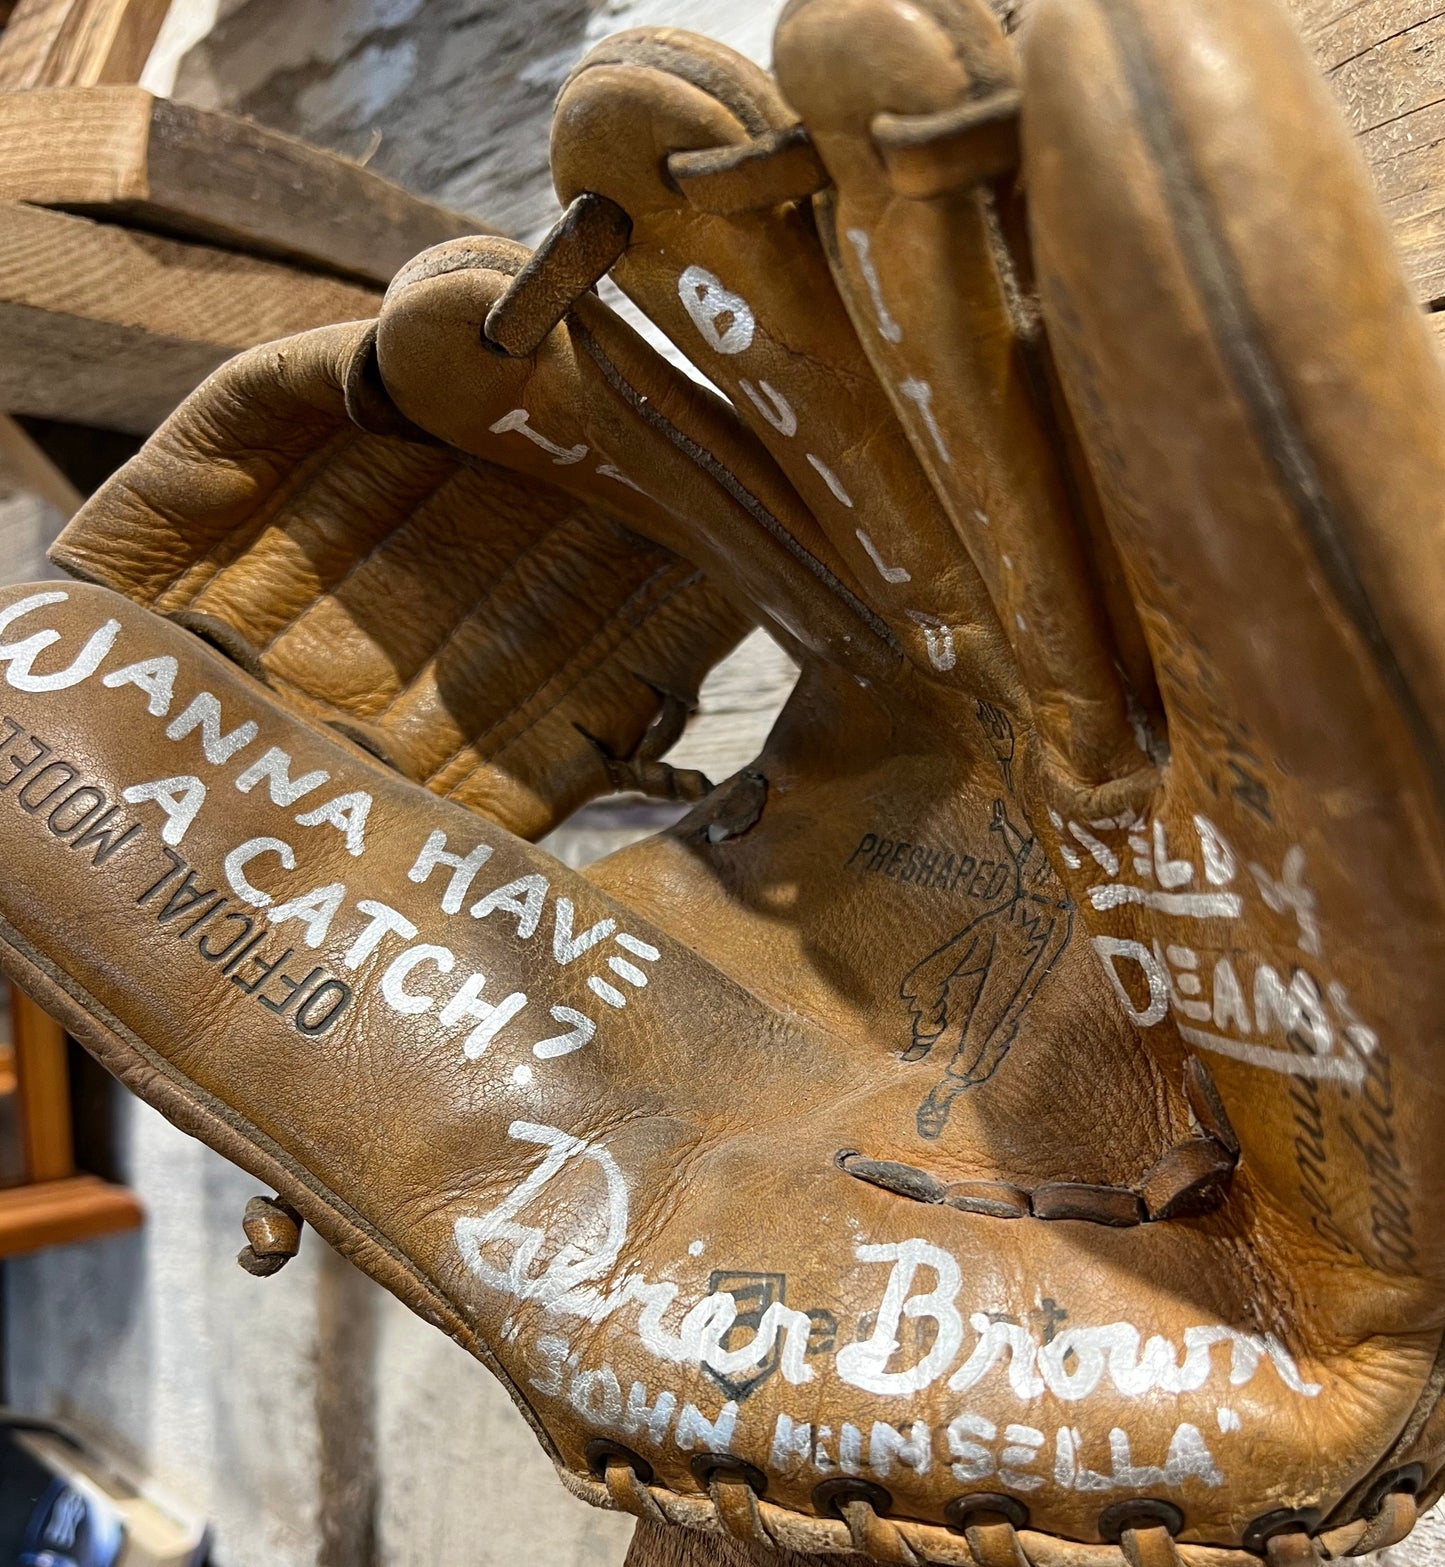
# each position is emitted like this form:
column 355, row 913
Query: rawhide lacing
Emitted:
column 975, row 142
column 987, row 1530
column 1144, row 1530
column 766, row 171
column 732, row 810
column 734, row 1487
column 273, row 1236
column 592, row 234
column 642, row 770
column 1189, row 1178
column 1149, row 1546
column 576, row 253
column 1294, row 1549
column 1393, row 1520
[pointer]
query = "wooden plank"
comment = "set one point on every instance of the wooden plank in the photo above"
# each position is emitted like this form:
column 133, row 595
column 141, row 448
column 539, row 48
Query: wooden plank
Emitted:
column 125, row 155
column 78, row 43
column 44, row 1089
column 109, row 327
column 58, row 1213
column 1341, row 30
column 1386, row 62
column 23, row 466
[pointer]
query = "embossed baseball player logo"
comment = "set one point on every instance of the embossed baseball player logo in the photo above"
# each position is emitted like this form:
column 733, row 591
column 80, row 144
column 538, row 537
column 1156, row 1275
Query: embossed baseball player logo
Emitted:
column 971, row 994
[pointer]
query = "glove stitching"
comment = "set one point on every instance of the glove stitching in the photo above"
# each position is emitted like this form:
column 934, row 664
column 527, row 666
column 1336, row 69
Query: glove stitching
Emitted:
column 333, row 591
column 242, row 538
column 459, row 625
column 1244, row 349
column 618, row 619
column 730, row 482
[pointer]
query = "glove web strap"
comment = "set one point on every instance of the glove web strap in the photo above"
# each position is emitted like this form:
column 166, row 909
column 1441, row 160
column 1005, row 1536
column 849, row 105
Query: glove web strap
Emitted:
column 985, row 1539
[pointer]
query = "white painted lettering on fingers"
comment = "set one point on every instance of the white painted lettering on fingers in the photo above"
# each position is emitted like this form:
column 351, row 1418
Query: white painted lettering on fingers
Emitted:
column 920, row 393
column 1187, row 905
column 524, row 897
column 1219, row 862
column 1102, row 854
column 888, row 328
column 1290, row 893
column 887, row 572
column 275, row 768
column 179, row 798
column 770, row 403
column 393, row 989
column 382, row 921
column 315, row 910
column 864, row 1364
column 204, row 713
column 492, row 1019
column 1111, row 947
column 937, row 638
column 831, row 479
column 464, row 868
column 504, row 1253
column 347, row 813
column 724, row 319
column 155, row 676
column 519, row 420
column 567, row 948
column 580, row 1030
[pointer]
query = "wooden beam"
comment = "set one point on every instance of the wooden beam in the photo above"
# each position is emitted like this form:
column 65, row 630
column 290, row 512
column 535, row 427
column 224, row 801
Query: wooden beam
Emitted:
column 58, row 1213
column 44, row 1079
column 78, row 43
column 23, row 466
column 105, row 326
column 122, row 154
column 1386, row 61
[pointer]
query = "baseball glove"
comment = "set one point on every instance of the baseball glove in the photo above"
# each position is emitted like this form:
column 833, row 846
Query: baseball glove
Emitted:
column 992, row 1128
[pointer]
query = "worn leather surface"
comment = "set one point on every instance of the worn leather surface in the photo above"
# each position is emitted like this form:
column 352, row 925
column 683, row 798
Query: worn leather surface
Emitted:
column 497, row 639
column 1021, row 1081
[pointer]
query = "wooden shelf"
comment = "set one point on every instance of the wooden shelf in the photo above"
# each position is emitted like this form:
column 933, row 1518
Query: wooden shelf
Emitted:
column 57, row 1213
column 56, row 1206
column 107, row 326
column 125, row 156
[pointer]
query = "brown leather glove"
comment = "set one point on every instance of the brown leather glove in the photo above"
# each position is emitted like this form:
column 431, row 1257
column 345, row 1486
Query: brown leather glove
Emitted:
column 489, row 635
column 995, row 1127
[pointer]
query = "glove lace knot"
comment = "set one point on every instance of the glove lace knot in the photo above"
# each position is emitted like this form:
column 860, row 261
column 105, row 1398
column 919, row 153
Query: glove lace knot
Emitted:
column 273, row 1236
column 577, row 252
